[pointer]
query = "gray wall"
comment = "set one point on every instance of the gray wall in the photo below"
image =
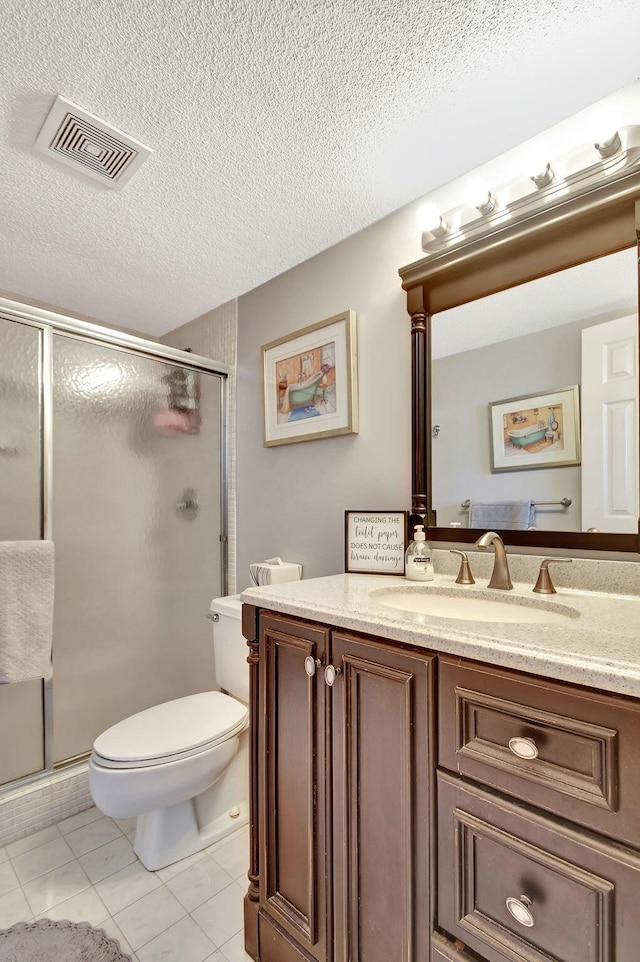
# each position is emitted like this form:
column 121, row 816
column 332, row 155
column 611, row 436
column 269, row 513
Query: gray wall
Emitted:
column 291, row 499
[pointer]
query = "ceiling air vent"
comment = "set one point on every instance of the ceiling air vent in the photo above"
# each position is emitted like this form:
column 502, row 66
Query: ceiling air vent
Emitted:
column 81, row 140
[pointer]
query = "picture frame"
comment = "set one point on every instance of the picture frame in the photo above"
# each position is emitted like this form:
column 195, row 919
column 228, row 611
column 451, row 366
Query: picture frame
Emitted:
column 309, row 382
column 375, row 542
column 536, row 430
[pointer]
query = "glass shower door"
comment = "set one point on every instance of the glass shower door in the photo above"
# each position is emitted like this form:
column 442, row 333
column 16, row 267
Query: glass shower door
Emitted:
column 21, row 704
column 137, row 520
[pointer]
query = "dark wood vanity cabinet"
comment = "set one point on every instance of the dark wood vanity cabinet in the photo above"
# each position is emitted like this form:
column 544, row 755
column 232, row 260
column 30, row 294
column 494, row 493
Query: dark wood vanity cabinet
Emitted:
column 344, row 796
column 500, row 824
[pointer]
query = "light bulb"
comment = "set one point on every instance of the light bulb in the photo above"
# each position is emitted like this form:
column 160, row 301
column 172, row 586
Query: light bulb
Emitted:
column 429, row 219
column 478, row 195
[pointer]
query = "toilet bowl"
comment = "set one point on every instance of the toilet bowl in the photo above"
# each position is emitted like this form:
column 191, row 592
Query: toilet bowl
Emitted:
column 182, row 767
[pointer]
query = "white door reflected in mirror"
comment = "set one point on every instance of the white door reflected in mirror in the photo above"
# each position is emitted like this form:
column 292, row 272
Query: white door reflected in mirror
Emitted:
column 610, row 415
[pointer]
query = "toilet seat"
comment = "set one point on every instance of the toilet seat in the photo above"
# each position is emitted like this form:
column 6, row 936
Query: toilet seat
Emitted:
column 170, row 731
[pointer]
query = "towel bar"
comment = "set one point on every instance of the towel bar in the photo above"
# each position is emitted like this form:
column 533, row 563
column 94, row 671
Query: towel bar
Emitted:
column 565, row 502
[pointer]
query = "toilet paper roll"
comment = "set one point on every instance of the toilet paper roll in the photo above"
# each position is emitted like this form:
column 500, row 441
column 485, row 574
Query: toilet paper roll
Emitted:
column 275, row 571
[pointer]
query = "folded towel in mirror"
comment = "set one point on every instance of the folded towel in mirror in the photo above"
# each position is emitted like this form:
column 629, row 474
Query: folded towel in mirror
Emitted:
column 518, row 515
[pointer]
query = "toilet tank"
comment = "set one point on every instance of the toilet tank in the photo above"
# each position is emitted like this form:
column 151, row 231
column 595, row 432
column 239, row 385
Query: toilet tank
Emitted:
column 229, row 646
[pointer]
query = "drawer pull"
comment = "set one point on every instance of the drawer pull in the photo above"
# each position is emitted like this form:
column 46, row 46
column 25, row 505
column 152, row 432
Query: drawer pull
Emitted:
column 523, row 747
column 310, row 665
column 519, row 909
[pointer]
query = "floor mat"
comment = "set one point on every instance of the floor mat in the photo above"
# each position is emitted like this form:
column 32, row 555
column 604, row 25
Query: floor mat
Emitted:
column 49, row 941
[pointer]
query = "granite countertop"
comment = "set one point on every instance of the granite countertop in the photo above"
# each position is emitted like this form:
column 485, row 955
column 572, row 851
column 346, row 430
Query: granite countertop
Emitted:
column 598, row 646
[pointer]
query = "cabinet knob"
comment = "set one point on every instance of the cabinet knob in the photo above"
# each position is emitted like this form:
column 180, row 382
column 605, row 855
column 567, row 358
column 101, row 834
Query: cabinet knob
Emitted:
column 523, row 747
column 519, row 909
column 330, row 674
column 310, row 665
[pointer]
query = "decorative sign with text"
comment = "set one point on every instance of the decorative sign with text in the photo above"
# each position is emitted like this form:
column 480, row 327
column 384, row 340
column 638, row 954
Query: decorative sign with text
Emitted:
column 375, row 541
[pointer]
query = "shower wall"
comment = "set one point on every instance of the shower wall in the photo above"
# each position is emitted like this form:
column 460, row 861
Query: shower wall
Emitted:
column 136, row 519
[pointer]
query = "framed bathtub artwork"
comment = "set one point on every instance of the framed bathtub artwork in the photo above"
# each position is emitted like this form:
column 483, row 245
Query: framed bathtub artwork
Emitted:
column 309, row 382
column 536, row 431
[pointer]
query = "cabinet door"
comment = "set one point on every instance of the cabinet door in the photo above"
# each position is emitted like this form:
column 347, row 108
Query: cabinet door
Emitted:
column 292, row 781
column 380, row 719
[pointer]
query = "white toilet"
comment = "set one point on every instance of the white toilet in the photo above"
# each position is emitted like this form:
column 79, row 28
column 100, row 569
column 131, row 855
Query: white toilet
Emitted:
column 182, row 768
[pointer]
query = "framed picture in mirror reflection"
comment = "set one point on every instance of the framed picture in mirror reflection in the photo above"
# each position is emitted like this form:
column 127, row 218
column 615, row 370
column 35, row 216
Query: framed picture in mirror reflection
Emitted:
column 536, row 431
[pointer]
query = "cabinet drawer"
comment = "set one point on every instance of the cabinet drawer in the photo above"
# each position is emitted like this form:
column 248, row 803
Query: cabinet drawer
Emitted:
column 584, row 746
column 572, row 896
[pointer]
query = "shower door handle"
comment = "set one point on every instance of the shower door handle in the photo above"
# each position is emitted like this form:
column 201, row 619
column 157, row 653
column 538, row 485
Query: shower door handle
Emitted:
column 187, row 505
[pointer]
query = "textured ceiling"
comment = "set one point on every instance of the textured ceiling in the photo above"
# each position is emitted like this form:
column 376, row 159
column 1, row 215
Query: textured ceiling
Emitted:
column 279, row 127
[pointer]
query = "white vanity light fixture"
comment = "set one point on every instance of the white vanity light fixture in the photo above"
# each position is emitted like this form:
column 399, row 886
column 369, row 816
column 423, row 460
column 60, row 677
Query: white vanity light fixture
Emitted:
column 547, row 184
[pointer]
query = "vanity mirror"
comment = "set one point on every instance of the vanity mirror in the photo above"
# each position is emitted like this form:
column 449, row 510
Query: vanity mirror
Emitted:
column 507, row 328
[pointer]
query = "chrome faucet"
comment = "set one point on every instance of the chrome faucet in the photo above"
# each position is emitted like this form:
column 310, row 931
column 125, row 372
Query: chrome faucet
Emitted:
column 500, row 577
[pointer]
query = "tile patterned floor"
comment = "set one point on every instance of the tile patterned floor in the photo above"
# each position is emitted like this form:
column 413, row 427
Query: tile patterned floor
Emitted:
column 85, row 869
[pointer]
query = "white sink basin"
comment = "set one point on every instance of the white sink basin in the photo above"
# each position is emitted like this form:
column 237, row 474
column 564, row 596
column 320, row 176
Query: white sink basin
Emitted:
column 464, row 605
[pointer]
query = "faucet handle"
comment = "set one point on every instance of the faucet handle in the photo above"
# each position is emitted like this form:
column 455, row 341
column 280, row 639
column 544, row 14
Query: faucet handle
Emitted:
column 464, row 575
column 544, row 584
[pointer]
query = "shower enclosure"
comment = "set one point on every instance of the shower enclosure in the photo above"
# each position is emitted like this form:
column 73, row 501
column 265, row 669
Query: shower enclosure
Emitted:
column 113, row 448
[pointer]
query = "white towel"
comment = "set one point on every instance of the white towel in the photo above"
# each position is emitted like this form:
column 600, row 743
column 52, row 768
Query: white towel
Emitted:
column 26, row 609
column 502, row 515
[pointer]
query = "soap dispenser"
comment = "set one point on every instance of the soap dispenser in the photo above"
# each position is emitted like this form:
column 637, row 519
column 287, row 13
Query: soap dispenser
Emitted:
column 418, row 564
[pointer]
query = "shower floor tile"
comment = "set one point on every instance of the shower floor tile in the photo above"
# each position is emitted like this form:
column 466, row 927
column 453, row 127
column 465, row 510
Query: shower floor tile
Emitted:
column 187, row 912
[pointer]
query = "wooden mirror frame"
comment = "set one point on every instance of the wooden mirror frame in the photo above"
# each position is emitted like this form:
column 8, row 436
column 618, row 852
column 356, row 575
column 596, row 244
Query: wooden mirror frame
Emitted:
column 604, row 221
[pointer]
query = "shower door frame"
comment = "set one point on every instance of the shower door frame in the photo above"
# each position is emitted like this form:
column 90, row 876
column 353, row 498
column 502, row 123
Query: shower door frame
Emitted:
column 50, row 323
